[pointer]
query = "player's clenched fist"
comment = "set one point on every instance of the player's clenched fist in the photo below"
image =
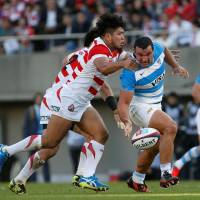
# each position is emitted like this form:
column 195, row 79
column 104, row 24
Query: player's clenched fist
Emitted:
column 129, row 64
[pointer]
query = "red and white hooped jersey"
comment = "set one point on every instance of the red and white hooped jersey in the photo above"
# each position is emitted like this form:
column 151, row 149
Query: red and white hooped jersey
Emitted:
column 69, row 72
column 89, row 81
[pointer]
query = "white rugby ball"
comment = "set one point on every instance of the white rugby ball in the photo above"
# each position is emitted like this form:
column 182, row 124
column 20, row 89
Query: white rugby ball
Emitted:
column 145, row 138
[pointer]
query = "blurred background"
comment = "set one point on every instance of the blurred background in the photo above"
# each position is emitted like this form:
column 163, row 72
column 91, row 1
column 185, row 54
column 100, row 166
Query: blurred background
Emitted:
column 36, row 35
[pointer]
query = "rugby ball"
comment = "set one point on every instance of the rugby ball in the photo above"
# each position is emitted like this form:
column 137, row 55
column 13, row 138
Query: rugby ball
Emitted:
column 145, row 138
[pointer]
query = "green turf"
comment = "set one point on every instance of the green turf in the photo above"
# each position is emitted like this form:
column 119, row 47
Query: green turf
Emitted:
column 119, row 191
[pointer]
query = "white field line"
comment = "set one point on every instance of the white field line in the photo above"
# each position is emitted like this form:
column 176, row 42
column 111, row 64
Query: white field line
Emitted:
column 115, row 195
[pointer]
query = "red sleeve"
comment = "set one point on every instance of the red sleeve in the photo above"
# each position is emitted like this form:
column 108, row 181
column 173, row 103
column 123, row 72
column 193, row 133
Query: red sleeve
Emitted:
column 99, row 49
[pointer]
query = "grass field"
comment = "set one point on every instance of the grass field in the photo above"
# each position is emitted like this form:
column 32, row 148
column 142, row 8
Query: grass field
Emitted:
column 119, row 191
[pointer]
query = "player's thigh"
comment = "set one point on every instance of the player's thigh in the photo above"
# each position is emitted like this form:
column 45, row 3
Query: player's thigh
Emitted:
column 56, row 130
column 92, row 123
column 78, row 130
column 162, row 122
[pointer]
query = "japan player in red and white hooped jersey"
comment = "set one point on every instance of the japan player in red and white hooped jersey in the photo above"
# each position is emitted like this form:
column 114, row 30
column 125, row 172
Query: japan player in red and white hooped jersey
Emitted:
column 74, row 98
column 87, row 84
column 65, row 76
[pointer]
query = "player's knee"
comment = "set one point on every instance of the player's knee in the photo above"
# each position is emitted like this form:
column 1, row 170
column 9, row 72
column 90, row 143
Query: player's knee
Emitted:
column 172, row 128
column 52, row 152
column 105, row 136
column 102, row 137
column 48, row 142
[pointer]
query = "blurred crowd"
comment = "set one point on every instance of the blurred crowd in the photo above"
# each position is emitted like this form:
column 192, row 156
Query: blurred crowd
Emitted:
column 175, row 22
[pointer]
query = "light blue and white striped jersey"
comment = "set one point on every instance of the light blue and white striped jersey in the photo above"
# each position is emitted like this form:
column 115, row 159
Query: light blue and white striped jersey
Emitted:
column 197, row 80
column 146, row 83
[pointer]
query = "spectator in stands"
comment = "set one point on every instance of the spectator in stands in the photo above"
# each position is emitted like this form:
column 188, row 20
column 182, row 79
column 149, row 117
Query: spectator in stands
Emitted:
column 135, row 21
column 16, row 10
column 10, row 45
column 32, row 126
column 180, row 32
column 67, row 29
column 120, row 8
column 188, row 10
column 23, row 29
column 149, row 24
column 79, row 25
column 46, row 17
column 138, row 6
column 51, row 20
column 32, row 13
column 172, row 9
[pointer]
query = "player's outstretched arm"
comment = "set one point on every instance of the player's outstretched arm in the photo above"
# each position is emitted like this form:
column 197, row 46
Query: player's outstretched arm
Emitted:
column 125, row 98
column 106, row 67
column 176, row 53
column 177, row 69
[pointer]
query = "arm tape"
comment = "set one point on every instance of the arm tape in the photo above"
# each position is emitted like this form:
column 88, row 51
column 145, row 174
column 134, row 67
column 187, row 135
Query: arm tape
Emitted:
column 111, row 102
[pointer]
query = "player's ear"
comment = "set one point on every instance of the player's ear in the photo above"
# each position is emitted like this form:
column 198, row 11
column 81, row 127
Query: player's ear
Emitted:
column 108, row 37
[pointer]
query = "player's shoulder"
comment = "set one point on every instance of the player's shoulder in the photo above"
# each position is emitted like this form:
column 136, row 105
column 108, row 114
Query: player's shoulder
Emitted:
column 99, row 47
column 81, row 51
column 127, row 73
column 158, row 47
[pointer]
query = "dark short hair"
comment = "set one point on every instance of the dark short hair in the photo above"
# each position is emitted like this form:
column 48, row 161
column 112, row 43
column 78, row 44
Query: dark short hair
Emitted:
column 109, row 22
column 143, row 42
column 90, row 36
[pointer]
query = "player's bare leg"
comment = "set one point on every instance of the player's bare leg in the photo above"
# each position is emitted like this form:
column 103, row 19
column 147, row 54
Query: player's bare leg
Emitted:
column 35, row 161
column 38, row 159
column 168, row 128
column 56, row 130
column 145, row 158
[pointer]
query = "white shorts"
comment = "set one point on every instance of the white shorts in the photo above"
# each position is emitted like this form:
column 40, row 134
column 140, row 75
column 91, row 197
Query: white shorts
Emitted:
column 198, row 121
column 45, row 112
column 141, row 113
column 67, row 106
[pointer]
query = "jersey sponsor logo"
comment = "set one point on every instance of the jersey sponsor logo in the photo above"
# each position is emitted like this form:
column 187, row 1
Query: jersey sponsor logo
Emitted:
column 157, row 80
column 71, row 108
column 55, row 108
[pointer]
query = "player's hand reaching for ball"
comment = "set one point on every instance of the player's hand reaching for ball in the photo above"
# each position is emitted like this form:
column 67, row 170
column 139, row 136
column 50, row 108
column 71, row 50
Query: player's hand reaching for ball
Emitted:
column 128, row 128
column 120, row 124
column 181, row 71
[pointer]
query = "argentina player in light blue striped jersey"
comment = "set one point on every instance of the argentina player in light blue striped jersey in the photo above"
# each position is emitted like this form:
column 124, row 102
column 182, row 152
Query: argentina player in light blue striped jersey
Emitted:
column 194, row 152
column 140, row 102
